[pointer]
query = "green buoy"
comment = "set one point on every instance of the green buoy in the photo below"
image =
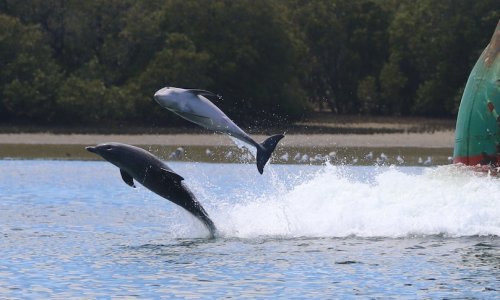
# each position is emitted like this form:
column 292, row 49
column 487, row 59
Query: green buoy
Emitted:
column 477, row 135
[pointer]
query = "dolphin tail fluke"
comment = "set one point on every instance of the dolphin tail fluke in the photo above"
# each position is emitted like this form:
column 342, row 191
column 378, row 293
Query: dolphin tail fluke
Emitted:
column 266, row 149
column 210, row 226
column 188, row 201
column 202, row 215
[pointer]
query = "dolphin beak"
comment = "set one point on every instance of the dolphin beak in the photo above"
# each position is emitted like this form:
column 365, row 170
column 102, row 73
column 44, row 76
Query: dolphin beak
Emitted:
column 157, row 95
column 91, row 149
column 161, row 96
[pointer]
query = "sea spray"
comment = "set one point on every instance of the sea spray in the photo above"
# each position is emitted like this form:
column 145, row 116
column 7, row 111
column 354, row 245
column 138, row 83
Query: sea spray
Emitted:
column 331, row 201
column 394, row 203
column 244, row 147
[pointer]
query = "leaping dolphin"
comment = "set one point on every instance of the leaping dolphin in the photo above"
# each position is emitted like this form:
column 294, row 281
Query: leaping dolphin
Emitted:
column 137, row 163
column 193, row 105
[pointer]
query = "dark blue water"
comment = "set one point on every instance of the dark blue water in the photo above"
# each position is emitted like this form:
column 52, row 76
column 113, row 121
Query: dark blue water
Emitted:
column 75, row 230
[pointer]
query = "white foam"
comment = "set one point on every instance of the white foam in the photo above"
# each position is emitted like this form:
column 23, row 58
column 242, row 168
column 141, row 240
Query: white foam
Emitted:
column 444, row 200
column 244, row 146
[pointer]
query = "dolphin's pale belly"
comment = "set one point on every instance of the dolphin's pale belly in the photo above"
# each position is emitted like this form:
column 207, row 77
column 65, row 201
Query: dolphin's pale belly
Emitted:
column 225, row 125
column 194, row 106
column 197, row 119
column 209, row 116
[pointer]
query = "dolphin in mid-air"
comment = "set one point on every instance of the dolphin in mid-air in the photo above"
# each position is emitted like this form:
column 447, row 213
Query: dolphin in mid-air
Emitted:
column 194, row 105
column 137, row 163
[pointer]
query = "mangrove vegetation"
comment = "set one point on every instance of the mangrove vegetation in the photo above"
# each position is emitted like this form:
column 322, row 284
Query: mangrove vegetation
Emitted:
column 69, row 62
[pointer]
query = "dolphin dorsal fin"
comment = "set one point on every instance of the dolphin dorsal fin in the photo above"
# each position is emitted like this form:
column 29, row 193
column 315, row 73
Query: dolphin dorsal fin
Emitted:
column 204, row 93
column 127, row 178
column 172, row 175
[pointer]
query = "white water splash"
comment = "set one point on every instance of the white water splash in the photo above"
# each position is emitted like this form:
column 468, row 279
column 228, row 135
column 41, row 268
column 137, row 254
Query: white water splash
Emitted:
column 444, row 200
column 244, row 146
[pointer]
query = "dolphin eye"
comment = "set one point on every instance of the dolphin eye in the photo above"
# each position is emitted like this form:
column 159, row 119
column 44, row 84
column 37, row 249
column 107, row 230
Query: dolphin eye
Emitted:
column 108, row 148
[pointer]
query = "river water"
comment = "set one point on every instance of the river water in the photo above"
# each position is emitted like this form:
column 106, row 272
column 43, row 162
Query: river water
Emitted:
column 73, row 229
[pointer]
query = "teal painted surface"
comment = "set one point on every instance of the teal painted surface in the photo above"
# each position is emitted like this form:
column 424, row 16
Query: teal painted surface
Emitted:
column 477, row 137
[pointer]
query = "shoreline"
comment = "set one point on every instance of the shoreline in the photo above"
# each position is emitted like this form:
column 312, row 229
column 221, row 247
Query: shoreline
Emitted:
column 438, row 139
column 414, row 148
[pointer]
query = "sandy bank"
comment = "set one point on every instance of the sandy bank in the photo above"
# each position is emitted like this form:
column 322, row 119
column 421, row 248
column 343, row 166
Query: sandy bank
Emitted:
column 439, row 139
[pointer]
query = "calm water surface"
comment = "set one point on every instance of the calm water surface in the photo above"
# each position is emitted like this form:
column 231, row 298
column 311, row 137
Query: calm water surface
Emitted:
column 71, row 229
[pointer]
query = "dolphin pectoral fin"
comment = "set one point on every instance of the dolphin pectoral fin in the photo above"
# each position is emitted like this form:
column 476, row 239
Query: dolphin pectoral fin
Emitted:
column 204, row 93
column 171, row 175
column 127, row 178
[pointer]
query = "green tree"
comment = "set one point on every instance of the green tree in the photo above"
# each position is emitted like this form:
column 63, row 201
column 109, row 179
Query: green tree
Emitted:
column 29, row 77
column 431, row 44
column 177, row 64
column 139, row 38
column 88, row 101
column 339, row 34
column 368, row 95
column 392, row 83
column 62, row 59
column 253, row 55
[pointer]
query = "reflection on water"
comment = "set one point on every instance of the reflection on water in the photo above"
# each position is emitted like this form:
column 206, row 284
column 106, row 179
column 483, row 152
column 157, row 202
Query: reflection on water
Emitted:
column 73, row 229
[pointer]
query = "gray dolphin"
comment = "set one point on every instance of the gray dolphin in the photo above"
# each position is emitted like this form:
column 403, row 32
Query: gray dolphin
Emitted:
column 137, row 163
column 193, row 105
